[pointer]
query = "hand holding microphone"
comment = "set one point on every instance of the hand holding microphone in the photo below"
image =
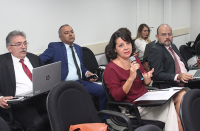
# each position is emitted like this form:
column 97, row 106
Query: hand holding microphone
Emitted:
column 132, row 59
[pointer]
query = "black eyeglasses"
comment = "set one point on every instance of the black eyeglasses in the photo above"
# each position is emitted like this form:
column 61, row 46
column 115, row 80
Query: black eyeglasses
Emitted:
column 19, row 44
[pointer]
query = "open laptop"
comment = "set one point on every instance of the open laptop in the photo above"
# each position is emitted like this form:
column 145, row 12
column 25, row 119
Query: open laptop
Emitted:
column 147, row 49
column 44, row 78
column 195, row 73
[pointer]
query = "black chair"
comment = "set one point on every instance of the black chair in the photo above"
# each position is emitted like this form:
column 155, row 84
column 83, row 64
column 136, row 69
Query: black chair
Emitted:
column 185, row 52
column 131, row 108
column 148, row 128
column 3, row 125
column 106, row 53
column 193, row 46
column 90, row 63
column 89, row 60
column 14, row 125
column 197, row 48
column 69, row 103
column 190, row 110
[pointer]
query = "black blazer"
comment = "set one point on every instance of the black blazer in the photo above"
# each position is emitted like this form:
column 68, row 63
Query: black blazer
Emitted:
column 163, row 63
column 7, row 74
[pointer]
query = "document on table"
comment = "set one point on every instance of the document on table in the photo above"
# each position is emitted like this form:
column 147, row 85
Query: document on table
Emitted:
column 159, row 94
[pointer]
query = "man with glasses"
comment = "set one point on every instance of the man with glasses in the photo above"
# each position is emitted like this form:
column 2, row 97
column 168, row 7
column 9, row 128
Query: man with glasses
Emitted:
column 166, row 59
column 16, row 78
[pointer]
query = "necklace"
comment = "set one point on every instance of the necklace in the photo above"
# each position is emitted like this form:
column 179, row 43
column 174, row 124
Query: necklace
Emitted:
column 123, row 64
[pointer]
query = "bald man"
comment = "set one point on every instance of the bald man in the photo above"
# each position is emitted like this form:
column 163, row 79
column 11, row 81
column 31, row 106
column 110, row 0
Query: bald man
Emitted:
column 166, row 59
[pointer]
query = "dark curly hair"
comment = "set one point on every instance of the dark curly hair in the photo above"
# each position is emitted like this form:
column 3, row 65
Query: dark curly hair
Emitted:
column 112, row 43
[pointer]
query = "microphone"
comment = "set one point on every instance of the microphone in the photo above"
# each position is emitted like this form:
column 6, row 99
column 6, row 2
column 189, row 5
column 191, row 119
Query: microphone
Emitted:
column 132, row 59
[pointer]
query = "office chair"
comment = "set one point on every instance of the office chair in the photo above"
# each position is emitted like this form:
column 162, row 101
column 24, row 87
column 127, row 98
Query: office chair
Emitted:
column 90, row 62
column 131, row 108
column 3, row 125
column 69, row 103
column 197, row 48
column 106, row 53
column 148, row 128
column 185, row 52
column 189, row 110
column 193, row 46
column 14, row 125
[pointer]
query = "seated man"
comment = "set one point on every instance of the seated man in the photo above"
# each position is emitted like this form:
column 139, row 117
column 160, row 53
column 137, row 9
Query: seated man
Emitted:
column 71, row 57
column 166, row 60
column 16, row 78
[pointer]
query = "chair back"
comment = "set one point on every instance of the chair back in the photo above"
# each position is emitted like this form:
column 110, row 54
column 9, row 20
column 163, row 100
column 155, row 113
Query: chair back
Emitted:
column 3, row 125
column 110, row 98
column 197, row 48
column 89, row 60
column 148, row 128
column 190, row 110
column 196, row 40
column 106, row 53
column 185, row 52
column 69, row 103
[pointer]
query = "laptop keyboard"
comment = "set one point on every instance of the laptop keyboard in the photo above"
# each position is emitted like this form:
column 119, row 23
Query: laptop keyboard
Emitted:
column 197, row 74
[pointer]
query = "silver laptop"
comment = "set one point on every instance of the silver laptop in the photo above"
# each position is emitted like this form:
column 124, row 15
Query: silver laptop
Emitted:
column 44, row 79
column 195, row 73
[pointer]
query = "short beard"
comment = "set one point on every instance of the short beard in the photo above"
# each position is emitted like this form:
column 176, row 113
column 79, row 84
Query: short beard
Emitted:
column 165, row 43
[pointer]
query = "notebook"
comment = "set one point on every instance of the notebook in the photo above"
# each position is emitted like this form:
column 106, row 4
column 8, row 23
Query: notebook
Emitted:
column 195, row 73
column 44, row 78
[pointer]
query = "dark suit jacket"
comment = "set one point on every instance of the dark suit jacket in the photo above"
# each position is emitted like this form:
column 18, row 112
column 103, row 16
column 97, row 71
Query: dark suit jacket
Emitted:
column 56, row 51
column 7, row 74
column 163, row 63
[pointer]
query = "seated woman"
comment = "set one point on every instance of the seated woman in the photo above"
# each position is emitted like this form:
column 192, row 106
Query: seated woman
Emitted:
column 124, row 84
column 141, row 40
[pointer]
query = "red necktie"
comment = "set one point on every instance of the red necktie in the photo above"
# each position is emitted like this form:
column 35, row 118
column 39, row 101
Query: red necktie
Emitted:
column 26, row 70
column 177, row 66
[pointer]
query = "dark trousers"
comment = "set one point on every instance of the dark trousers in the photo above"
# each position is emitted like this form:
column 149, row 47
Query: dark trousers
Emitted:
column 98, row 91
column 29, row 113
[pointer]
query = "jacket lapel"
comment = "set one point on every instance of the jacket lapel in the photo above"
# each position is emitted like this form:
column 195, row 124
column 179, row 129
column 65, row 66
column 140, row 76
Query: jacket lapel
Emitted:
column 33, row 62
column 10, row 66
column 63, row 48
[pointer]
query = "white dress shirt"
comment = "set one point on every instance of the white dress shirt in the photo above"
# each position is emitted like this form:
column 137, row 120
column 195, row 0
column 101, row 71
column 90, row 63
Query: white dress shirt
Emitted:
column 23, row 83
column 181, row 64
column 140, row 46
column 72, row 75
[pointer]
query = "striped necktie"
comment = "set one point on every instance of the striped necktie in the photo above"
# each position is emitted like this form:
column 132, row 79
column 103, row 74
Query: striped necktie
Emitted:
column 76, row 64
column 26, row 70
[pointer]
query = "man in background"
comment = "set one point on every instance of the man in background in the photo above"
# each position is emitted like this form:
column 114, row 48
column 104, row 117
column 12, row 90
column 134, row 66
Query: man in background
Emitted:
column 166, row 59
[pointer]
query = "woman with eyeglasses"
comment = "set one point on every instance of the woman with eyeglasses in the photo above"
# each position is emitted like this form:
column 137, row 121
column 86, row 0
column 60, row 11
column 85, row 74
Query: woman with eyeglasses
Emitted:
column 141, row 40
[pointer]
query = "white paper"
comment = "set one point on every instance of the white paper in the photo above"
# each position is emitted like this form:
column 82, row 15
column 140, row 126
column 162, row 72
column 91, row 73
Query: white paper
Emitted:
column 160, row 94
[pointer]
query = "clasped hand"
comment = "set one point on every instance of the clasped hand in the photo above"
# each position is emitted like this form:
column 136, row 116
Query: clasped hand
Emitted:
column 89, row 74
column 3, row 102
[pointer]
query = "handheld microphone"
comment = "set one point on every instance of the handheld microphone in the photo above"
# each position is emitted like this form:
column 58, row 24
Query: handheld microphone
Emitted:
column 132, row 59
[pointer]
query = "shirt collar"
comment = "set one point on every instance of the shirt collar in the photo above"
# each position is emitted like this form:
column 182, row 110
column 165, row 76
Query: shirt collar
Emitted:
column 16, row 60
column 67, row 46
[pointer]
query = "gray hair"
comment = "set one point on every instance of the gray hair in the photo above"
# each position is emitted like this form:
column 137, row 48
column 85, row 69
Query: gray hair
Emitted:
column 13, row 34
column 59, row 31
